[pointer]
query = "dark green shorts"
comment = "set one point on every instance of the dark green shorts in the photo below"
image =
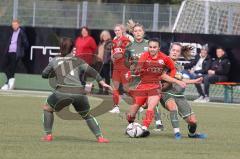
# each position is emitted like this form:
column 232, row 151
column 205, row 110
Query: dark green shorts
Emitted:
column 59, row 100
column 184, row 108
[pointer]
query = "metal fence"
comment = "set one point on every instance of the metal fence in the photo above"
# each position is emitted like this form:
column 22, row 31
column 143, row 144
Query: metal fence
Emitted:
column 42, row 13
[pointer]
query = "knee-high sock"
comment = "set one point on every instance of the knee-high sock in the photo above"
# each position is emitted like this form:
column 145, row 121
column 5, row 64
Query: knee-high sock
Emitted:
column 174, row 119
column 48, row 119
column 148, row 118
column 93, row 126
column 115, row 97
column 192, row 128
column 157, row 116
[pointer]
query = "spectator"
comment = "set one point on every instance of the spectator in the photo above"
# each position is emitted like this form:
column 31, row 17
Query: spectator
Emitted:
column 85, row 49
column 15, row 50
column 198, row 67
column 104, row 57
column 85, row 46
column 218, row 72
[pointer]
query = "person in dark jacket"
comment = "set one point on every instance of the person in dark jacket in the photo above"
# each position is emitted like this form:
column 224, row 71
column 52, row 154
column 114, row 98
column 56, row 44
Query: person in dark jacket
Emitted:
column 198, row 67
column 218, row 72
column 15, row 50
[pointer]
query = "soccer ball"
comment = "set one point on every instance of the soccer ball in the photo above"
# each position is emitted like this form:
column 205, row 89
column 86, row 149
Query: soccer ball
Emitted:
column 134, row 130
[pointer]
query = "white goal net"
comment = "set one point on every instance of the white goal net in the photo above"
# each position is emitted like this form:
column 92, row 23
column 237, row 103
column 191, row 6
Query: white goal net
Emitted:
column 208, row 17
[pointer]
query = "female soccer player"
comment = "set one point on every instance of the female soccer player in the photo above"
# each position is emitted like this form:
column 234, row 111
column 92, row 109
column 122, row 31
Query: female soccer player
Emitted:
column 133, row 52
column 120, row 42
column 150, row 68
column 64, row 73
column 173, row 98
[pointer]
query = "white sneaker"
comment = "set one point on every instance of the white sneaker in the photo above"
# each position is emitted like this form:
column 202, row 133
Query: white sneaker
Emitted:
column 4, row 87
column 11, row 83
column 199, row 99
column 115, row 110
column 206, row 99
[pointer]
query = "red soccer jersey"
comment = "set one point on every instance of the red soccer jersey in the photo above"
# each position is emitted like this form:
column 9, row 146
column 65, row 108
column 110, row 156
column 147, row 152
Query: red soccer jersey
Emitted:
column 120, row 42
column 151, row 68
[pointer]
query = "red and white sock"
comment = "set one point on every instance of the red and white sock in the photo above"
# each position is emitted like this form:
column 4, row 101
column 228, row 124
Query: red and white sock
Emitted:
column 148, row 118
column 116, row 97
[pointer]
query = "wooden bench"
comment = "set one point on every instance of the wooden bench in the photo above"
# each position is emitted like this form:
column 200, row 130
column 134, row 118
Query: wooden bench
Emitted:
column 228, row 90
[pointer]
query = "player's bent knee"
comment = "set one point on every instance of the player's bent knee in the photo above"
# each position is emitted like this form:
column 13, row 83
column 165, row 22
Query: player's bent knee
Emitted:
column 171, row 105
column 47, row 108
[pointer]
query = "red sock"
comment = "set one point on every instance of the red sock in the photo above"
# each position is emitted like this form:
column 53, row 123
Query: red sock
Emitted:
column 130, row 118
column 115, row 97
column 148, row 118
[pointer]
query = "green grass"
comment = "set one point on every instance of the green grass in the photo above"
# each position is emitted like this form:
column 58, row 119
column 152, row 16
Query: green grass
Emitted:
column 21, row 130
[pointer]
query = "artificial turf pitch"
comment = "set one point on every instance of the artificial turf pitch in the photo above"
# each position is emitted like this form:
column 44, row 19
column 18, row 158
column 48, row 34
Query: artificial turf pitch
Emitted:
column 21, row 130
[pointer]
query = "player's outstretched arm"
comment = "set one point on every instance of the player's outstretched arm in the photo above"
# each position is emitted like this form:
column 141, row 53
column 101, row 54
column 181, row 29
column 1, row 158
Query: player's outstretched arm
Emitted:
column 91, row 72
column 102, row 83
column 193, row 81
column 167, row 78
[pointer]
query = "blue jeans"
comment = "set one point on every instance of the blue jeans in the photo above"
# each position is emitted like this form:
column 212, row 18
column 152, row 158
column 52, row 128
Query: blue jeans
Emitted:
column 191, row 75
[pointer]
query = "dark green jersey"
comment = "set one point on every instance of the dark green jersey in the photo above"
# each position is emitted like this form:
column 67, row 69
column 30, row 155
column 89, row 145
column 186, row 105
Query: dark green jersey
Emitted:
column 135, row 49
column 133, row 52
column 175, row 92
column 175, row 89
column 65, row 72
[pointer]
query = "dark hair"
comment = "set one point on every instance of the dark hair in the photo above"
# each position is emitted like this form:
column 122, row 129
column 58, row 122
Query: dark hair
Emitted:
column 220, row 47
column 86, row 28
column 66, row 46
column 154, row 40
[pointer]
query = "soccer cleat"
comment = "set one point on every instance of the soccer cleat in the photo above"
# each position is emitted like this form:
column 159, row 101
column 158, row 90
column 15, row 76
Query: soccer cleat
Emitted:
column 198, row 136
column 47, row 138
column 178, row 136
column 102, row 140
column 145, row 132
column 115, row 110
column 159, row 127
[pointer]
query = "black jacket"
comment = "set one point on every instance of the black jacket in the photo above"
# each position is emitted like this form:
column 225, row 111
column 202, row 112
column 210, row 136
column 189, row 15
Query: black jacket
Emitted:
column 22, row 43
column 205, row 65
column 221, row 66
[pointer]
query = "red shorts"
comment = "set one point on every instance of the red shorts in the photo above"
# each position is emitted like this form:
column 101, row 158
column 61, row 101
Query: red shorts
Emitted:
column 120, row 76
column 143, row 91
